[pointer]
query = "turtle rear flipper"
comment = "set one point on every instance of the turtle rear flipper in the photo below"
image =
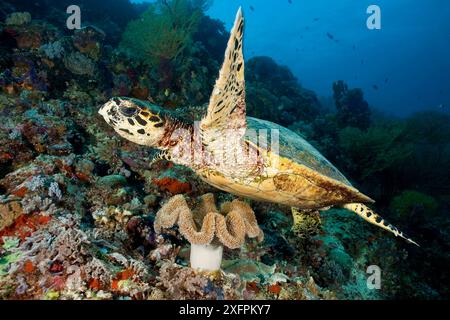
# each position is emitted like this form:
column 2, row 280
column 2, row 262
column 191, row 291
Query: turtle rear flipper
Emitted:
column 367, row 214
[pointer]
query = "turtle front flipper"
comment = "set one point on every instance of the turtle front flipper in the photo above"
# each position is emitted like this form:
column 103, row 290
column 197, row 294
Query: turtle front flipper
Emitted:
column 227, row 108
column 367, row 214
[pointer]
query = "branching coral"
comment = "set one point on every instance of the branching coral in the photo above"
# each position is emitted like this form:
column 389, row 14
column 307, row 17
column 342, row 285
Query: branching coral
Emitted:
column 107, row 148
column 53, row 50
column 229, row 228
column 163, row 31
column 177, row 282
column 96, row 269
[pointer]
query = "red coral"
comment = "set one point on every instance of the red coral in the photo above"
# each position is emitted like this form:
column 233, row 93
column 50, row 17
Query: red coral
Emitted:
column 275, row 288
column 56, row 267
column 94, row 284
column 172, row 185
column 28, row 266
column 252, row 286
column 122, row 275
column 24, row 226
column 125, row 274
column 21, row 192
column 83, row 177
column 115, row 284
column 6, row 156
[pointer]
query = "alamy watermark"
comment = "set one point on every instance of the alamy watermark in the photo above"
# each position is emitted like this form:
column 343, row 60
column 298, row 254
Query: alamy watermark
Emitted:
column 228, row 147
column 374, row 278
column 374, row 20
column 74, row 20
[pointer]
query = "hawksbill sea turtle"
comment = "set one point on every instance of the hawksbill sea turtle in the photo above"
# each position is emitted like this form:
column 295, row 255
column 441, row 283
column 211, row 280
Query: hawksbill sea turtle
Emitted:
column 223, row 151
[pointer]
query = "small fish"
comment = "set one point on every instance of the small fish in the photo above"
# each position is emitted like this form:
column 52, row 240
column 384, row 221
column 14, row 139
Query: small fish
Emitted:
column 252, row 8
column 375, row 87
column 316, row 19
column 441, row 106
column 306, row 28
column 386, row 80
column 329, row 35
column 290, row 1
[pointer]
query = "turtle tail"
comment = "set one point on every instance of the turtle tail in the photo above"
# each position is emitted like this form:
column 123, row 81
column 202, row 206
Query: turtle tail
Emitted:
column 367, row 214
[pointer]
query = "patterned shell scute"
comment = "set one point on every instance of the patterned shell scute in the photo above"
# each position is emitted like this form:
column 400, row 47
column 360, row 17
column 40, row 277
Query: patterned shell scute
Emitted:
column 295, row 148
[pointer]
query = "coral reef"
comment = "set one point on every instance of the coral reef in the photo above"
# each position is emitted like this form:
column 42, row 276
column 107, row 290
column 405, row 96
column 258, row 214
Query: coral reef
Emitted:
column 78, row 204
column 18, row 18
column 163, row 31
column 377, row 149
column 10, row 210
column 274, row 94
column 79, row 64
column 409, row 202
column 164, row 39
column 176, row 282
column 352, row 109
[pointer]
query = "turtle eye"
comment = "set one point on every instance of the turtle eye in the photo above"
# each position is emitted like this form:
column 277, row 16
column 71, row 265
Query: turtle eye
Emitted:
column 128, row 111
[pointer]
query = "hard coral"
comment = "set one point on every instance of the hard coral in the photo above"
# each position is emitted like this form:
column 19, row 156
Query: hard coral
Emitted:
column 88, row 40
column 79, row 64
column 177, row 282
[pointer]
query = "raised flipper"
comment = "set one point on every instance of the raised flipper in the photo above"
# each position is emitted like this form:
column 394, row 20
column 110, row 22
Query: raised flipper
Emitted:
column 367, row 214
column 226, row 109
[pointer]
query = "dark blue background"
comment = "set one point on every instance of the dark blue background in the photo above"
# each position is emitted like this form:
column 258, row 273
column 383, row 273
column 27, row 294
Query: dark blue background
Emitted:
column 411, row 51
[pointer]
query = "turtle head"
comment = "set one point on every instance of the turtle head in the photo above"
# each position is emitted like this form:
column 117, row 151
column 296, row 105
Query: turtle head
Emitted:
column 135, row 120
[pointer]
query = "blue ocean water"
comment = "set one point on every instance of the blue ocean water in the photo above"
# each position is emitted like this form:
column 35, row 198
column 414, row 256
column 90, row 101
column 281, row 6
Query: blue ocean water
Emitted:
column 402, row 68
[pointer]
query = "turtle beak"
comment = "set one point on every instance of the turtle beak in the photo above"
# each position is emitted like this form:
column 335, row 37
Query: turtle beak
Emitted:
column 107, row 109
column 103, row 110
